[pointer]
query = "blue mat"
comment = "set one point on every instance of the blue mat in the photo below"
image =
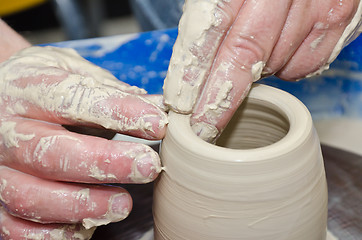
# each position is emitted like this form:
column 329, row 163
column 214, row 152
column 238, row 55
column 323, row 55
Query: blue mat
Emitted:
column 142, row 59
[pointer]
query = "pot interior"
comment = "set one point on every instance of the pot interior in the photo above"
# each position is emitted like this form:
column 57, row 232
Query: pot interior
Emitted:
column 255, row 124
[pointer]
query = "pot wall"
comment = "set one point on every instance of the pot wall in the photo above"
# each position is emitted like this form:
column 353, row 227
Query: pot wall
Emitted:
column 265, row 181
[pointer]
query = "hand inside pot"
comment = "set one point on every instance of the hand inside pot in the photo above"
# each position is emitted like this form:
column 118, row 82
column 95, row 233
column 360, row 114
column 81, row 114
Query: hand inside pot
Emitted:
column 224, row 46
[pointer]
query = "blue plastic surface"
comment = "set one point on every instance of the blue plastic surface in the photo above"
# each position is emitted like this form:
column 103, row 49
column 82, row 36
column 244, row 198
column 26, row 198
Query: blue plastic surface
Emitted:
column 142, row 60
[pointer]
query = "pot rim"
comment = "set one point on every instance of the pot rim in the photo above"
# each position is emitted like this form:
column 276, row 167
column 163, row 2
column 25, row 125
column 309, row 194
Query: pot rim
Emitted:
column 298, row 116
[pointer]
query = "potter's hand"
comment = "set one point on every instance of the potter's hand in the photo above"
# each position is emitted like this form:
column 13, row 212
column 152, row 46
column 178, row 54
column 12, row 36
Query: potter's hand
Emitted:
column 49, row 174
column 224, row 46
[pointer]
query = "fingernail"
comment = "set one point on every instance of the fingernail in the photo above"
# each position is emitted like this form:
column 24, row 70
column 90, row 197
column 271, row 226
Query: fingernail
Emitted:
column 120, row 206
column 205, row 131
column 154, row 125
column 148, row 166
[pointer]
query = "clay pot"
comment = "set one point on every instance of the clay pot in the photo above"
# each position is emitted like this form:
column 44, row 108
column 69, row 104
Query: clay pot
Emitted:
column 264, row 180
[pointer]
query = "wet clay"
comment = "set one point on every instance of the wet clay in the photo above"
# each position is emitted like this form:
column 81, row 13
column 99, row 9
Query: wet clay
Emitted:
column 264, row 179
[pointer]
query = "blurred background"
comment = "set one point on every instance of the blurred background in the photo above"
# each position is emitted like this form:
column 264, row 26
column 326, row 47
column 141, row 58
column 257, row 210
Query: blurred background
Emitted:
column 46, row 21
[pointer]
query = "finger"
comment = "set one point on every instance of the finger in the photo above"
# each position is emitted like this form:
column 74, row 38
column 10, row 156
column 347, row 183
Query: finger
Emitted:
column 50, row 151
column 50, row 59
column 318, row 50
column 69, row 60
column 239, row 62
column 202, row 28
column 295, row 31
column 15, row 228
column 61, row 97
column 158, row 100
column 43, row 201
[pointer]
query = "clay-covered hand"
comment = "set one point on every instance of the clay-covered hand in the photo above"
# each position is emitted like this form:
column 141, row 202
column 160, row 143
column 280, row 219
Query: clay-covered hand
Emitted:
column 51, row 179
column 225, row 45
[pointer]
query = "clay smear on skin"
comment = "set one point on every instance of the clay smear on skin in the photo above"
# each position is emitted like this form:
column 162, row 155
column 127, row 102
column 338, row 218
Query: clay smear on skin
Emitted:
column 138, row 154
column 188, row 69
column 108, row 217
column 7, row 190
column 3, row 185
column 5, row 231
column 43, row 146
column 61, row 233
column 208, row 132
column 81, row 197
column 217, row 105
column 10, row 138
column 320, row 26
column 99, row 174
column 179, row 92
column 72, row 231
column 72, row 97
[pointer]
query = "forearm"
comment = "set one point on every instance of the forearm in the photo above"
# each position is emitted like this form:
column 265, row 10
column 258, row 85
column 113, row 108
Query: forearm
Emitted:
column 10, row 41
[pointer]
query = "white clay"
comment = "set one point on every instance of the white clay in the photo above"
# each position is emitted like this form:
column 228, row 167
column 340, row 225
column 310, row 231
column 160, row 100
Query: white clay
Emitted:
column 84, row 86
column 99, row 174
column 177, row 91
column 5, row 231
column 10, row 137
column 266, row 182
column 3, row 186
column 257, row 69
column 60, row 234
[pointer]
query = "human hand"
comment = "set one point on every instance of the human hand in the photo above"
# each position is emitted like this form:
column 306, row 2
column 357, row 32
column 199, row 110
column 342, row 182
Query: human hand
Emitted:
column 50, row 178
column 225, row 45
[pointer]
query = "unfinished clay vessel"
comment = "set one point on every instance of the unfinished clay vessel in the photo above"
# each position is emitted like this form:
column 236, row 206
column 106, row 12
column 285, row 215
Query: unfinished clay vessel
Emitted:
column 264, row 179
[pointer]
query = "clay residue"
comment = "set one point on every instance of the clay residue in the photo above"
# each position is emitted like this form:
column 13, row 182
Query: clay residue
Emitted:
column 188, row 67
column 82, row 195
column 76, row 96
column 9, row 135
column 108, row 217
column 5, row 231
column 256, row 70
column 99, row 174
column 136, row 176
column 3, row 185
column 142, row 156
column 45, row 144
column 205, row 131
column 214, row 110
column 61, row 234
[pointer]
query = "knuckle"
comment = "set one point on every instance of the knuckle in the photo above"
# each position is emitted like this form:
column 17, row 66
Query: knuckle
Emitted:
column 342, row 12
column 245, row 50
column 20, row 205
column 224, row 17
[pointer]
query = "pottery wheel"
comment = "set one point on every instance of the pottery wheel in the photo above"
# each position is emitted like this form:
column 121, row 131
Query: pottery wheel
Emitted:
column 344, row 178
